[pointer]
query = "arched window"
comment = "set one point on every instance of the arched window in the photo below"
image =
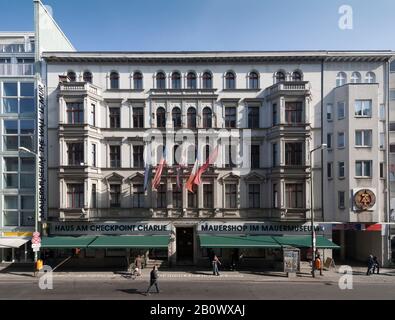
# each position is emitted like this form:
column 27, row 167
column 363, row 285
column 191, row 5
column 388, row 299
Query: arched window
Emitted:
column 191, row 117
column 253, row 80
column 230, row 80
column 87, row 76
column 296, row 76
column 137, row 81
column 370, row 77
column 71, row 75
column 176, row 80
column 114, row 80
column 191, row 151
column 160, row 117
column 160, row 80
column 341, row 79
column 176, row 156
column 176, row 117
column 280, row 76
column 207, row 118
column 207, row 80
column 356, row 77
column 191, row 80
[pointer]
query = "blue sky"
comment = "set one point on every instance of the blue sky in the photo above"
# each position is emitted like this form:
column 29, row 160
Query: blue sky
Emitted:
column 167, row 25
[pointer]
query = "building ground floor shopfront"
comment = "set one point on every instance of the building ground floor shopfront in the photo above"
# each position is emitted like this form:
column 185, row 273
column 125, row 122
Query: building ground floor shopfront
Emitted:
column 15, row 247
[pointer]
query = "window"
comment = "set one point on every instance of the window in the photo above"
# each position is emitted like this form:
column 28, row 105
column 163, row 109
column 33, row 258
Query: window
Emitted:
column 75, row 154
column 392, row 126
column 160, row 117
column 341, row 197
column 115, row 156
column 254, row 193
column 176, row 80
column 382, row 110
column 138, row 156
column 253, row 117
column 255, row 156
column 27, row 211
column 176, row 117
column 341, row 140
column 115, row 117
column 329, row 140
column 192, row 196
column 392, row 148
column 341, row 79
column 230, row 196
column 341, row 169
column 329, row 110
column 177, row 197
column 280, row 76
column 294, row 195
column 93, row 115
column 381, row 170
column 191, row 151
column 94, row 196
column 363, row 169
column 191, row 80
column 356, row 77
column 27, row 175
column 10, row 211
column 138, row 117
column 75, row 113
column 363, row 138
column 75, row 195
column 11, row 171
column 208, row 200
column 137, row 81
column 275, row 198
column 297, row 76
column 207, row 118
column 274, row 114
column 71, row 75
column 230, row 80
column 114, row 80
column 207, row 80
column 191, row 118
column 363, row 108
column 253, row 80
column 94, row 164
column 87, row 76
column 293, row 153
column 341, row 110
column 382, row 140
column 162, row 201
column 18, row 134
column 392, row 95
column 230, row 117
column 26, row 89
column 392, row 66
column 230, row 156
column 274, row 154
column 115, row 195
column 138, row 196
column 329, row 166
column 10, row 130
column 160, row 80
column 370, row 77
column 293, row 112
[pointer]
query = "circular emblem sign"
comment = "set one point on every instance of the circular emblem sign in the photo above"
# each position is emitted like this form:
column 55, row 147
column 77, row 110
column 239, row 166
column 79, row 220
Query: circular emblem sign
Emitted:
column 364, row 199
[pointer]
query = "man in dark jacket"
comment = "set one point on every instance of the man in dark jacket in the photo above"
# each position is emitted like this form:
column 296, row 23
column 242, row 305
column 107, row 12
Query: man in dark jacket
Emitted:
column 370, row 265
column 376, row 265
column 153, row 279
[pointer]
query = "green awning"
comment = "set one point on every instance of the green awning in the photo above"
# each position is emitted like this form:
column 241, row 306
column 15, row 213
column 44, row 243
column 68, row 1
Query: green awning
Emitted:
column 305, row 242
column 66, row 242
column 237, row 241
column 130, row 242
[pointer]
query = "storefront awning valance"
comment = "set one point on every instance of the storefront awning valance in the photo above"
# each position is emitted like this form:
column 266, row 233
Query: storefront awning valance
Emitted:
column 8, row 242
column 67, row 242
column 237, row 241
column 305, row 242
column 130, row 242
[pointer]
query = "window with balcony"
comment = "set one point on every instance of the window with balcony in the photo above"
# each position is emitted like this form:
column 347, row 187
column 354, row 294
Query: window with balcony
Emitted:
column 230, row 117
column 293, row 153
column 191, row 118
column 138, row 117
column 207, row 80
column 356, row 77
column 294, row 195
column 363, row 138
column 253, row 80
column 363, row 108
column 75, row 154
column 87, row 76
column 363, row 169
column 254, row 196
column 208, row 196
column 115, row 117
column 75, row 195
column 137, row 81
column 114, row 80
column 191, row 80
column 230, row 196
column 341, row 79
column 72, row 76
column 75, row 112
column 138, row 196
column 138, row 156
column 176, row 80
column 280, row 76
column 115, row 195
column 161, row 118
column 255, row 156
column 160, row 80
column 341, row 168
column 370, row 77
column 207, row 118
column 115, row 156
column 177, row 197
column 253, row 117
column 230, row 80
column 293, row 112
column 161, row 196
column 176, row 117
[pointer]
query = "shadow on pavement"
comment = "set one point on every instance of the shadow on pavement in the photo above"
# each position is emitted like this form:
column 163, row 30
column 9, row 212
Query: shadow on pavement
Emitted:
column 131, row 291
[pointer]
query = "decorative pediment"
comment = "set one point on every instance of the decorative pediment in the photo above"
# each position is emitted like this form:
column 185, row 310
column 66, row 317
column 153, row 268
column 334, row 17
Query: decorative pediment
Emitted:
column 229, row 177
column 253, row 176
column 114, row 177
column 136, row 177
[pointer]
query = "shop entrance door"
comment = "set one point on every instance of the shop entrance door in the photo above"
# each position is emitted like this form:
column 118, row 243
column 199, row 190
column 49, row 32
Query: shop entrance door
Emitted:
column 184, row 242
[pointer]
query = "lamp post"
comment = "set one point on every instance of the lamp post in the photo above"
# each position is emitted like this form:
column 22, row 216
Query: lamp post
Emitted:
column 36, row 194
column 313, row 237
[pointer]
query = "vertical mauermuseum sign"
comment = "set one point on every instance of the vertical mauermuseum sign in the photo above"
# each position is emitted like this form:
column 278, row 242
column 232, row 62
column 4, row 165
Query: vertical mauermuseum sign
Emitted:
column 41, row 149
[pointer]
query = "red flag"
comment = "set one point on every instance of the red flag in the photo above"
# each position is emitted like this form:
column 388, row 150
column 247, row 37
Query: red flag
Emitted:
column 189, row 184
column 158, row 173
column 203, row 168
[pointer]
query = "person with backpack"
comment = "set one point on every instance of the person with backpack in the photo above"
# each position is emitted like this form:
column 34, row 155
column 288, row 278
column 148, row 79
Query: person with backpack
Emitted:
column 318, row 264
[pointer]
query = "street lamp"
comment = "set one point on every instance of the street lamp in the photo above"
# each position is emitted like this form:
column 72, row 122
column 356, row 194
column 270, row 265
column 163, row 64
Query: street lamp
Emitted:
column 36, row 195
column 313, row 238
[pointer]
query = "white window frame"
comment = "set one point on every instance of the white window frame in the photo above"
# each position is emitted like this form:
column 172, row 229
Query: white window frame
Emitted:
column 341, row 106
column 341, row 134
column 329, row 111
column 363, row 168
column 362, row 115
column 363, row 138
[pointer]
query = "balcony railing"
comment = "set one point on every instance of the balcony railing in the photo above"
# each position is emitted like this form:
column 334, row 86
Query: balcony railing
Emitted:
column 288, row 86
column 16, row 48
column 16, row 69
column 79, row 86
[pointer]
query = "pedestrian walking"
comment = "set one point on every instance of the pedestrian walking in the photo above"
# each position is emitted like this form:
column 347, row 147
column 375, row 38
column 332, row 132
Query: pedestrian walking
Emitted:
column 215, row 263
column 153, row 280
column 138, row 263
column 318, row 264
column 211, row 255
column 370, row 265
column 376, row 265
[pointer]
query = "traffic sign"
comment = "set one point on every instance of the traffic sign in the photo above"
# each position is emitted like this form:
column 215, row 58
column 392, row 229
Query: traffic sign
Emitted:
column 36, row 245
column 36, row 249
